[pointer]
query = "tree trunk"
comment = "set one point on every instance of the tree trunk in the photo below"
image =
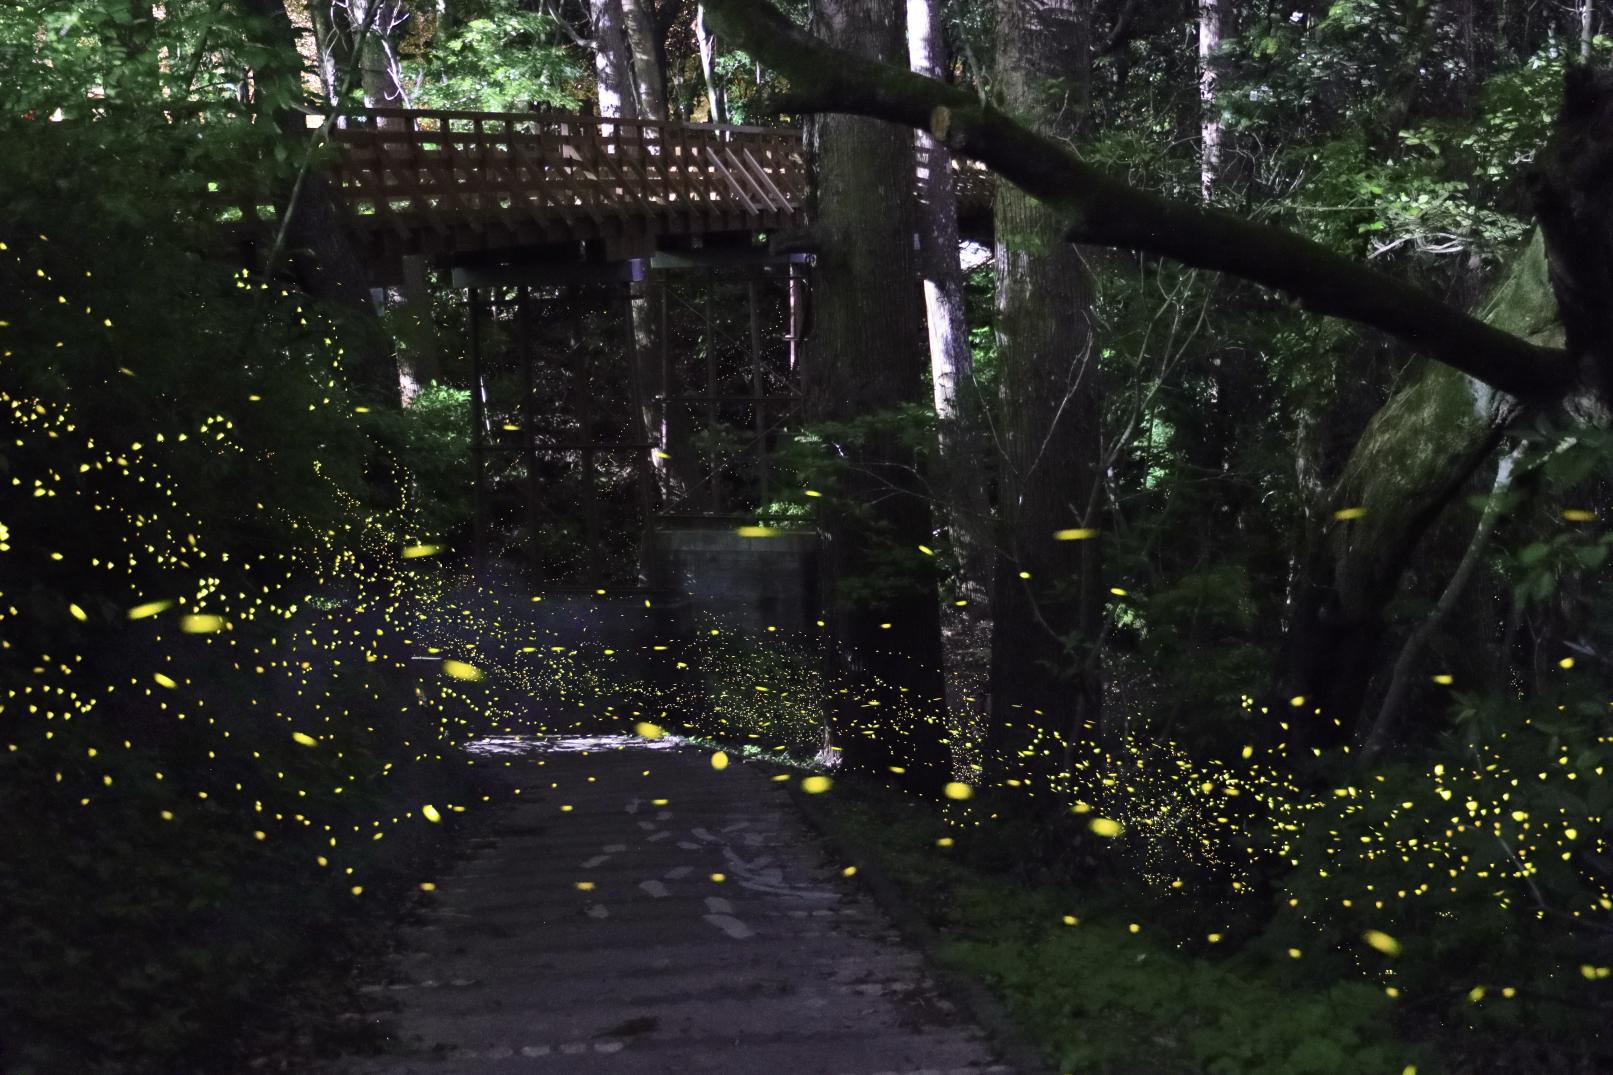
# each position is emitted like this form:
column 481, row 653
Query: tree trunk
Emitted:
column 706, row 41
column 319, row 244
column 961, row 478
column 1209, row 105
column 613, row 65
column 1384, row 726
column 648, row 77
column 377, row 68
column 1045, row 672
column 867, row 355
column 330, row 49
column 420, row 352
column 644, row 305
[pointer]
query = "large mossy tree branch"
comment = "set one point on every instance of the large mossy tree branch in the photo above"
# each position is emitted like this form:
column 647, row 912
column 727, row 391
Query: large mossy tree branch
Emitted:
column 1103, row 211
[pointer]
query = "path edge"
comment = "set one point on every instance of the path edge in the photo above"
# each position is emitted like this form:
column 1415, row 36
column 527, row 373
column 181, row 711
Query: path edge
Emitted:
column 974, row 1000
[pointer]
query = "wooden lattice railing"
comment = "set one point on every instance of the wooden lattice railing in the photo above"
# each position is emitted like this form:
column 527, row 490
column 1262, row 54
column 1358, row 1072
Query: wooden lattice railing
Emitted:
column 439, row 182
column 418, row 173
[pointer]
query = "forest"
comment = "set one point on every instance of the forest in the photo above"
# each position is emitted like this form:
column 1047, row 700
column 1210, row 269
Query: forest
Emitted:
column 1134, row 478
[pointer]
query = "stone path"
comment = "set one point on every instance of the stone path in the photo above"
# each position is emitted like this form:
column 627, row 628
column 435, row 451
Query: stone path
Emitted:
column 587, row 933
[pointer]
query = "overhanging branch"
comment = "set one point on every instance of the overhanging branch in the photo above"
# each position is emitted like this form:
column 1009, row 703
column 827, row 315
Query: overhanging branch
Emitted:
column 1104, row 211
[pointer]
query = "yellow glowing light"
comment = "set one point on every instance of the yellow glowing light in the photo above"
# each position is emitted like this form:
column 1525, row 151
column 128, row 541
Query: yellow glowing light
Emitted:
column 430, row 813
column 1382, row 942
column 149, row 609
column 719, row 761
column 816, row 785
column 1106, row 827
column 1079, row 533
column 460, row 670
column 958, row 790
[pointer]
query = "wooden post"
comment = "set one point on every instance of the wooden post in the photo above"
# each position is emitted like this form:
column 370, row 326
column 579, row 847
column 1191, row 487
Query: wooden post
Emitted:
column 529, row 451
column 797, row 325
column 590, row 503
column 713, row 500
column 758, row 391
column 643, row 464
column 477, row 424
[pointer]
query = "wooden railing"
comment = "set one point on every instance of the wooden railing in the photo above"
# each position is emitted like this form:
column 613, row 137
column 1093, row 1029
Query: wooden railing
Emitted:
column 418, row 174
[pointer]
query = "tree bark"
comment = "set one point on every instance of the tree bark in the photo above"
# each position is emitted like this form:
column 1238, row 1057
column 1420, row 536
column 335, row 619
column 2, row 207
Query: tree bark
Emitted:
column 613, row 65
column 1209, row 104
column 1098, row 209
column 706, row 42
column 378, row 76
column 648, row 77
column 961, row 479
column 867, row 355
column 330, row 49
column 1045, row 671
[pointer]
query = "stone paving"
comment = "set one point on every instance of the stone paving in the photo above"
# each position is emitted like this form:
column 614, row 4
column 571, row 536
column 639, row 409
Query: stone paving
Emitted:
column 642, row 913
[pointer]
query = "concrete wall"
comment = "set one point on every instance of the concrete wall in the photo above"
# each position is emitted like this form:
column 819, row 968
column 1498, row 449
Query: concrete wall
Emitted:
column 747, row 584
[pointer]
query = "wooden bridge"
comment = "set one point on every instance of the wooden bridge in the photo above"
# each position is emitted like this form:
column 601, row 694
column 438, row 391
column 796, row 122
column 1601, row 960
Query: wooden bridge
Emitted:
column 456, row 185
column 436, row 182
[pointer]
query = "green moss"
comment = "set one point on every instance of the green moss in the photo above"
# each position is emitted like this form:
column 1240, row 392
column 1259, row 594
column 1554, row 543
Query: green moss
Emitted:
column 1524, row 304
column 1422, row 446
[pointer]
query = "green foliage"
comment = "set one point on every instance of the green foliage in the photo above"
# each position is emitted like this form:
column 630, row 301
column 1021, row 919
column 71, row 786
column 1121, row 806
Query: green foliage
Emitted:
column 502, row 60
column 1101, row 996
column 430, row 442
column 194, row 531
column 769, row 695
